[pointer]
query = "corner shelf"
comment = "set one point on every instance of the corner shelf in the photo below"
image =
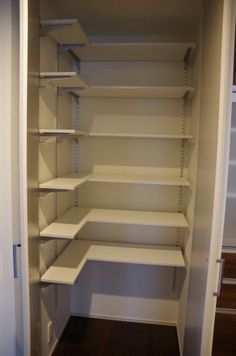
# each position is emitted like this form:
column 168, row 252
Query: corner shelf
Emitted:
column 64, row 31
column 69, row 224
column 117, row 174
column 66, row 268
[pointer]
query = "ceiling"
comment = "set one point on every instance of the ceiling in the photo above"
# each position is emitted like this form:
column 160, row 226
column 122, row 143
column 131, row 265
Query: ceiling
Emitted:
column 131, row 17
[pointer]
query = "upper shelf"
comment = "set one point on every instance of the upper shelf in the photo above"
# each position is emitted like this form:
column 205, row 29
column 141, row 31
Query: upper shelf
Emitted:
column 65, row 31
column 69, row 33
column 69, row 224
column 136, row 51
column 117, row 174
column 67, row 267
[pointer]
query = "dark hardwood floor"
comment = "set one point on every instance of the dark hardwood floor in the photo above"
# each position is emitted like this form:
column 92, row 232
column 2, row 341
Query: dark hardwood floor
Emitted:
column 224, row 335
column 98, row 337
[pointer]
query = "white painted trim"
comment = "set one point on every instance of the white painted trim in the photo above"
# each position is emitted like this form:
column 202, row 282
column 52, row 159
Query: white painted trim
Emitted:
column 23, row 82
column 122, row 318
column 8, row 304
column 179, row 340
column 221, row 174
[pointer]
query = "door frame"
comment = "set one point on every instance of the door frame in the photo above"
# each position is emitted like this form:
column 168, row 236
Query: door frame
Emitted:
column 223, row 147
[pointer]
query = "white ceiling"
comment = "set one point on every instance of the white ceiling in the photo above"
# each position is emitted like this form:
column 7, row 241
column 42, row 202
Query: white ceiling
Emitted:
column 131, row 17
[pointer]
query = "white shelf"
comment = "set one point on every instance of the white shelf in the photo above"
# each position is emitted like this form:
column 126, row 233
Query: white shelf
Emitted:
column 137, row 135
column 72, row 82
column 65, row 31
column 134, row 91
column 68, row 182
column 136, row 51
column 61, row 132
column 70, row 133
column 67, row 267
column 118, row 174
column 69, row 224
column 62, row 79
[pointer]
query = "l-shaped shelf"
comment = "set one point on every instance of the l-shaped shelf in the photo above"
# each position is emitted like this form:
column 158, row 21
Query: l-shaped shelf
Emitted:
column 71, row 222
column 67, row 267
column 117, row 174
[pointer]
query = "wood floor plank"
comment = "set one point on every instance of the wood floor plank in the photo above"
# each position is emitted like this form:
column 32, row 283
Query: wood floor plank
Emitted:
column 99, row 337
column 224, row 343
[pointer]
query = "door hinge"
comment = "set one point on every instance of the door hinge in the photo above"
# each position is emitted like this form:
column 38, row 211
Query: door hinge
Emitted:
column 221, row 276
column 17, row 260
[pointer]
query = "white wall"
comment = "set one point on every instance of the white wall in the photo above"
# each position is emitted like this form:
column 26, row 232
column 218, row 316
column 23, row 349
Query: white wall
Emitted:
column 140, row 293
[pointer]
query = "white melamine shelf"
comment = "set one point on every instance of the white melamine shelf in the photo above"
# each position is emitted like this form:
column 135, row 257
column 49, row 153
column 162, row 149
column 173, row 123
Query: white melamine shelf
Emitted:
column 61, row 132
column 69, row 224
column 70, row 133
column 62, row 79
column 136, row 51
column 134, row 91
column 67, row 267
column 138, row 135
column 68, row 182
column 65, row 31
column 117, row 174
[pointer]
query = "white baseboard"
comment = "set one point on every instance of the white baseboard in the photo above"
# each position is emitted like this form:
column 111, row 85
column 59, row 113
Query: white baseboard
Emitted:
column 58, row 338
column 180, row 345
column 122, row 318
column 54, row 347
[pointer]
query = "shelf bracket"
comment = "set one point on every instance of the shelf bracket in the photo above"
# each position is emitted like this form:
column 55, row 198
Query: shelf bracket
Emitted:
column 68, row 48
column 187, row 95
column 187, row 56
column 71, row 91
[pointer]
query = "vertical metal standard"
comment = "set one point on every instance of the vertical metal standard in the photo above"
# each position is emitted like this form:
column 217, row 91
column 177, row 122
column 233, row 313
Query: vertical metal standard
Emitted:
column 77, row 145
column 181, row 172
